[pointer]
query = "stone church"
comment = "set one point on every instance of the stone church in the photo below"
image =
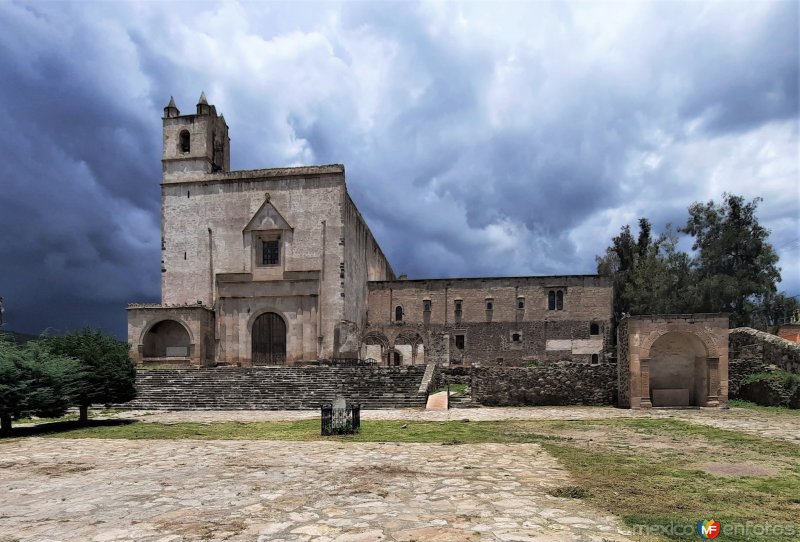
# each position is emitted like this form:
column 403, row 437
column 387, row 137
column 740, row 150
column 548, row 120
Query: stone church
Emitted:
column 278, row 267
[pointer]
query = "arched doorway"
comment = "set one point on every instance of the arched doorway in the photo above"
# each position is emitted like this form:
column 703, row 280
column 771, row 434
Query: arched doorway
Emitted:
column 166, row 339
column 411, row 348
column 269, row 340
column 395, row 358
column 678, row 370
column 375, row 346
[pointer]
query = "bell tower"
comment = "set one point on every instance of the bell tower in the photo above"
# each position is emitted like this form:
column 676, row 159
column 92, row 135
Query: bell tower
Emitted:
column 194, row 145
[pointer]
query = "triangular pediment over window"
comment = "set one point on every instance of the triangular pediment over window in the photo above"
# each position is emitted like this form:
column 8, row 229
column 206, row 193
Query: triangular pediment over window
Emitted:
column 267, row 218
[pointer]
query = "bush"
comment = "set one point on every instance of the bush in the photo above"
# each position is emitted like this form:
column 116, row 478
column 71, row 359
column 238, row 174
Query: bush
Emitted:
column 775, row 388
column 34, row 381
column 105, row 374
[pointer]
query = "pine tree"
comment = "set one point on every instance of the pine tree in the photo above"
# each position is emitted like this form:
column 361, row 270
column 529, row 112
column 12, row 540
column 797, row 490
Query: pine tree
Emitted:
column 105, row 374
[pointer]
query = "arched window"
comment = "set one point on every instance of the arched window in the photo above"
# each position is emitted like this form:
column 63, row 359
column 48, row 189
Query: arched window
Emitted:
column 185, row 141
column 559, row 300
column 489, row 305
column 520, row 303
column 551, row 300
column 426, row 305
column 594, row 329
column 398, row 314
column 595, row 359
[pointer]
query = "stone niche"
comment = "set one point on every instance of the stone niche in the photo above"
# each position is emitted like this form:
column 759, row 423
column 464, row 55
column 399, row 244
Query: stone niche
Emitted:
column 673, row 361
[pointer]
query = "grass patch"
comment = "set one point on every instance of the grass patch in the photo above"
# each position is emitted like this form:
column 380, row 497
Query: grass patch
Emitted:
column 740, row 403
column 647, row 471
column 569, row 492
column 456, row 390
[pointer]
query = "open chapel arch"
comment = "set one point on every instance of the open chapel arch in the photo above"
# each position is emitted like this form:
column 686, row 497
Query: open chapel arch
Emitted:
column 166, row 338
column 678, row 370
column 269, row 340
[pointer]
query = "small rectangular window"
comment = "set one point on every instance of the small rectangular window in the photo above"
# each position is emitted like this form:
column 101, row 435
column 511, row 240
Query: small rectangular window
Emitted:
column 460, row 342
column 520, row 302
column 458, row 306
column 271, row 252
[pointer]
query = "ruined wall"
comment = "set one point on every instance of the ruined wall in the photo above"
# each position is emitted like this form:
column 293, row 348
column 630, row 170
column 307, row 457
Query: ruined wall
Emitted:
column 753, row 351
column 519, row 307
column 551, row 384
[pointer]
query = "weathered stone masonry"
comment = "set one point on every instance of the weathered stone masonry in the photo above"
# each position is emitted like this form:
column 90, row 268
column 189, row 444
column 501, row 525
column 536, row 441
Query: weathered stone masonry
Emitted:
column 490, row 321
column 754, row 351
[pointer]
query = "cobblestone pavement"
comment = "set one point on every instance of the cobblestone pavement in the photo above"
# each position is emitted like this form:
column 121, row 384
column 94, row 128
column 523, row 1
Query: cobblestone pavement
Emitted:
column 774, row 424
column 180, row 491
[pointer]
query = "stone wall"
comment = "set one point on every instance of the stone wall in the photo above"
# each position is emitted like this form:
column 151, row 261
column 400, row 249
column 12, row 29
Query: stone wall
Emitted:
column 550, row 384
column 623, row 365
column 363, row 261
column 753, row 351
column 519, row 328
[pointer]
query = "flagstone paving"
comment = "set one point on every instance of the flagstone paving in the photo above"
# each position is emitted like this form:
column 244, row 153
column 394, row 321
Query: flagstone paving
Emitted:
column 174, row 491
column 773, row 424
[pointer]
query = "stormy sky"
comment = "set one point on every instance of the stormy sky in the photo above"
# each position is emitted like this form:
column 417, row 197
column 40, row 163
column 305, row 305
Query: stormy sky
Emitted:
column 479, row 138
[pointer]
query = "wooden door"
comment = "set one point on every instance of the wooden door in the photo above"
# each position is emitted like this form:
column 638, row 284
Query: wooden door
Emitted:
column 269, row 340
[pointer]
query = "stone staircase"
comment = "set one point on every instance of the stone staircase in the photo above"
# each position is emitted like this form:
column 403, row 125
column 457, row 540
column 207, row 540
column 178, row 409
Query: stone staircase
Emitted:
column 278, row 388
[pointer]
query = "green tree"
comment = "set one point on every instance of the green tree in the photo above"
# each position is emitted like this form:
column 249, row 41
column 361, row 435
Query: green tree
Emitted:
column 105, row 374
column 660, row 281
column 649, row 275
column 735, row 265
column 33, row 381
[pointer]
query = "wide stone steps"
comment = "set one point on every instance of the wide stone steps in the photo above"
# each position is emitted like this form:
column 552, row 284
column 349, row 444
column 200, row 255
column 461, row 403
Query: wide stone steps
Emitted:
column 277, row 388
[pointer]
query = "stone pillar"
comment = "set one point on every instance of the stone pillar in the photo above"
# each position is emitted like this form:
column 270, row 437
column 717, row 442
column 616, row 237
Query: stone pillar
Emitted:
column 713, row 382
column 414, row 354
column 644, row 376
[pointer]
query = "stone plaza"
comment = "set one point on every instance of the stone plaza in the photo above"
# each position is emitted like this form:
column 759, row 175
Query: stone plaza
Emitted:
column 57, row 489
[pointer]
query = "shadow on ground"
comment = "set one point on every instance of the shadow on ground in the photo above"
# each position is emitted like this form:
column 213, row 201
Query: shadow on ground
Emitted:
column 60, row 427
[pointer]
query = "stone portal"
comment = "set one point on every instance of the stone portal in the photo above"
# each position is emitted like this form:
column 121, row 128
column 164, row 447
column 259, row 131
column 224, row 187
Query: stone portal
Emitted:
column 269, row 340
column 673, row 361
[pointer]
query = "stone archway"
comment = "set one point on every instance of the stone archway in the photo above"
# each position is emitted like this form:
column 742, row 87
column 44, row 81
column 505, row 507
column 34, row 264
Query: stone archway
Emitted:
column 411, row 346
column 269, row 340
column 166, row 339
column 375, row 345
column 678, row 372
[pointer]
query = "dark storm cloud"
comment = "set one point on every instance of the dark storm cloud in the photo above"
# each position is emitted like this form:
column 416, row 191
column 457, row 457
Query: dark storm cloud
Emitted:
column 478, row 140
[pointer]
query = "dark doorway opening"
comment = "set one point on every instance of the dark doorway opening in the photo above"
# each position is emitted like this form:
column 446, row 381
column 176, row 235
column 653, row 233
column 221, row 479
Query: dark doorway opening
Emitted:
column 269, row 340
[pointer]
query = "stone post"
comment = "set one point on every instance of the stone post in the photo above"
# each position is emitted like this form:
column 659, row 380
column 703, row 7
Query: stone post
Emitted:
column 713, row 382
column 644, row 375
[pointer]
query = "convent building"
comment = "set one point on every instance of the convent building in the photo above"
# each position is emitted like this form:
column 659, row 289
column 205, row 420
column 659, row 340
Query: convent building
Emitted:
column 278, row 267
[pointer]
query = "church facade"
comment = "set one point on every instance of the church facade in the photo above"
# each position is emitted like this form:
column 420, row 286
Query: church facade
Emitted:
column 278, row 267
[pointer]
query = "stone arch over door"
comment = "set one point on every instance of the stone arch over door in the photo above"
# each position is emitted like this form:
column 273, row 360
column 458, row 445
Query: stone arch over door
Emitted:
column 375, row 345
column 411, row 346
column 167, row 338
column 268, row 339
column 679, row 368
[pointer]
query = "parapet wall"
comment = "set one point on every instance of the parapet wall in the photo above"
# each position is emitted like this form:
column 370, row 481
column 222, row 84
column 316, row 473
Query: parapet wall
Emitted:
column 753, row 351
